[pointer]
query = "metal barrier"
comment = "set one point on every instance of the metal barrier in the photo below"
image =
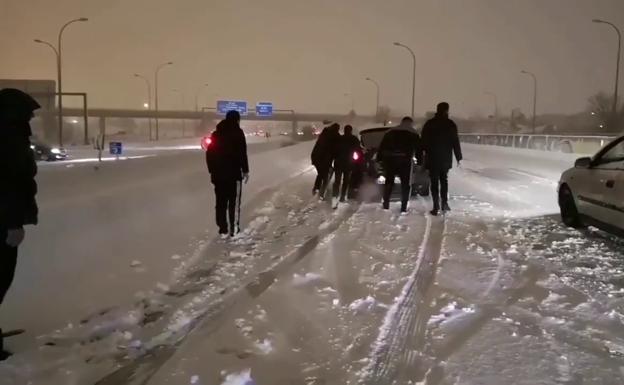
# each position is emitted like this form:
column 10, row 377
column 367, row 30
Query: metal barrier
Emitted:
column 555, row 143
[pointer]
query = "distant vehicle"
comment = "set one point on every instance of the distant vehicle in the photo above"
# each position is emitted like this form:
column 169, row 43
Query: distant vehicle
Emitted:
column 592, row 192
column 372, row 170
column 47, row 153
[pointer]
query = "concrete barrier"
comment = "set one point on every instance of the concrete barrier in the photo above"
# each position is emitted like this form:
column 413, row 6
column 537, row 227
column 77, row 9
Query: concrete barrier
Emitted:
column 556, row 143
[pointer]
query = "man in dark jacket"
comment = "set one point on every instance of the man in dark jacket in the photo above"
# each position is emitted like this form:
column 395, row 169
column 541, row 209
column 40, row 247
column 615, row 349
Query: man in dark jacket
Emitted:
column 396, row 153
column 323, row 155
column 226, row 157
column 440, row 141
column 344, row 162
column 17, row 183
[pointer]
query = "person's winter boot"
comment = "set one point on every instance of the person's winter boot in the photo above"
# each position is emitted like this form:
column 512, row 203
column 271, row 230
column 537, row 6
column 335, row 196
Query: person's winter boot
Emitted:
column 386, row 205
column 235, row 230
column 434, row 212
column 446, row 207
column 404, row 207
column 3, row 353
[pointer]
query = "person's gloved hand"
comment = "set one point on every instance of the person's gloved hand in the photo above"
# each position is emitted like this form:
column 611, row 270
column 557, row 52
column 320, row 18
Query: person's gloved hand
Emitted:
column 15, row 237
column 246, row 177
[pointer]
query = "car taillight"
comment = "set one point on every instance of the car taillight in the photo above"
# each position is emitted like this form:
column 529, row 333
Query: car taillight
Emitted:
column 356, row 156
column 206, row 142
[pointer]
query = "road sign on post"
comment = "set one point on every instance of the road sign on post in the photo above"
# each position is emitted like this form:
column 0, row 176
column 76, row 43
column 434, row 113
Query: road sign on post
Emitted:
column 223, row 106
column 115, row 148
column 264, row 109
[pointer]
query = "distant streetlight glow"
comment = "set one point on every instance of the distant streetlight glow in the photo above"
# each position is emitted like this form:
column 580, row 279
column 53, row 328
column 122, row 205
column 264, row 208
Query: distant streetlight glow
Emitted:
column 145, row 105
column 74, row 121
column 593, row 113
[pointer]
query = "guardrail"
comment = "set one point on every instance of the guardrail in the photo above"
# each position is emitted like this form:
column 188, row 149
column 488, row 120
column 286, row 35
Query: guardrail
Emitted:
column 556, row 143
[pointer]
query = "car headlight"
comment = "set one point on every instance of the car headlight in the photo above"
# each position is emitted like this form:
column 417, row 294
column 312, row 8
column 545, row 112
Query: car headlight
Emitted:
column 381, row 179
column 55, row 150
column 32, row 146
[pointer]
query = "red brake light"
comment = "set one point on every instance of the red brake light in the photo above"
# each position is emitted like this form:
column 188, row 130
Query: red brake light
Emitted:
column 206, row 142
column 356, row 156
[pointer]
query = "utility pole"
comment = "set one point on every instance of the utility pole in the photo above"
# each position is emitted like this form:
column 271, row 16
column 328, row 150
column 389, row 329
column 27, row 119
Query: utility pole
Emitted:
column 534, row 96
column 156, row 95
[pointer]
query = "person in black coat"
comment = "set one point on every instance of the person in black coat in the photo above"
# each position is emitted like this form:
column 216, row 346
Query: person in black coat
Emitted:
column 323, row 155
column 226, row 157
column 18, row 188
column 396, row 152
column 344, row 162
column 440, row 141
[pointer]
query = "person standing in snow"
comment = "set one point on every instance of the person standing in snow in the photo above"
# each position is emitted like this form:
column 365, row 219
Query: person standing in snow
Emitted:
column 226, row 157
column 323, row 155
column 18, row 188
column 344, row 162
column 396, row 152
column 440, row 141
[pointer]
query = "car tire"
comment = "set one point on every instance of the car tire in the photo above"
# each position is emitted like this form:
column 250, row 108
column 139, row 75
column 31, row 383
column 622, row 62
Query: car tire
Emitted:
column 569, row 213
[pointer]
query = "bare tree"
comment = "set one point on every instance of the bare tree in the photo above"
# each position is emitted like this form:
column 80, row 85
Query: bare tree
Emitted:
column 383, row 115
column 601, row 107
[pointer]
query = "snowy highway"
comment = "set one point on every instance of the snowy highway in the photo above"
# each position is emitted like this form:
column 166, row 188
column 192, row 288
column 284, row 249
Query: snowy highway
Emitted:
column 496, row 292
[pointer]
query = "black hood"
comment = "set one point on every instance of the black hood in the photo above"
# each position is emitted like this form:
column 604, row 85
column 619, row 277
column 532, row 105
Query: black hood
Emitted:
column 16, row 110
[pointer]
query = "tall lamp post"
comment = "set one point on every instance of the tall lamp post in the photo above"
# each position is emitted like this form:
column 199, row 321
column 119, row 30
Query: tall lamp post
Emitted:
column 199, row 89
column 617, row 68
column 493, row 95
column 377, row 102
column 413, row 74
column 534, row 96
column 59, row 68
column 156, row 94
column 149, row 101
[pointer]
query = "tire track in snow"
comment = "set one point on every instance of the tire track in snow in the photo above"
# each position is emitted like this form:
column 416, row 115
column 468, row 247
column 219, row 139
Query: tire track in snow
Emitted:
column 403, row 329
column 140, row 371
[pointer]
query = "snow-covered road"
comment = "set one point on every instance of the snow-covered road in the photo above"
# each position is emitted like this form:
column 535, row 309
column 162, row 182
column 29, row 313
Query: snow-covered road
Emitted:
column 496, row 292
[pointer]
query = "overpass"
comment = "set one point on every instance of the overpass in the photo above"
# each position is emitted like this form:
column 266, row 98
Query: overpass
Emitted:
column 282, row 115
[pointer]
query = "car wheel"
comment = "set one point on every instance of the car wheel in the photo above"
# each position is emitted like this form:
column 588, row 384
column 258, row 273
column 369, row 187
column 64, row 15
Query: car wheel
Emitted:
column 569, row 213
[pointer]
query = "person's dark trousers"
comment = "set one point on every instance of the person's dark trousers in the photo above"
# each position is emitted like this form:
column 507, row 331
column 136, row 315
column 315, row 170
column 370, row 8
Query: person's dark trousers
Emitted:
column 439, row 186
column 404, row 170
column 228, row 196
column 8, row 262
column 342, row 182
column 322, row 178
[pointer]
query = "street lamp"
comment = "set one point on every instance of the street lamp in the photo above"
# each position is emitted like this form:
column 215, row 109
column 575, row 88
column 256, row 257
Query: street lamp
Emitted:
column 149, row 101
column 156, row 94
column 58, row 50
column 377, row 86
column 495, row 108
column 199, row 89
column 534, row 95
column 617, row 68
column 413, row 75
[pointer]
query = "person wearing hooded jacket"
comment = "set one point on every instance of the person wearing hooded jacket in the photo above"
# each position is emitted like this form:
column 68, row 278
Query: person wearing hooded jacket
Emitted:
column 343, row 163
column 440, row 141
column 396, row 152
column 323, row 155
column 18, row 188
column 226, row 157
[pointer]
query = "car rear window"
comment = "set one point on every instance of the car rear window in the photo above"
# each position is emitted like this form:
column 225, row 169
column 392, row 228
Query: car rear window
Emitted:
column 372, row 139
